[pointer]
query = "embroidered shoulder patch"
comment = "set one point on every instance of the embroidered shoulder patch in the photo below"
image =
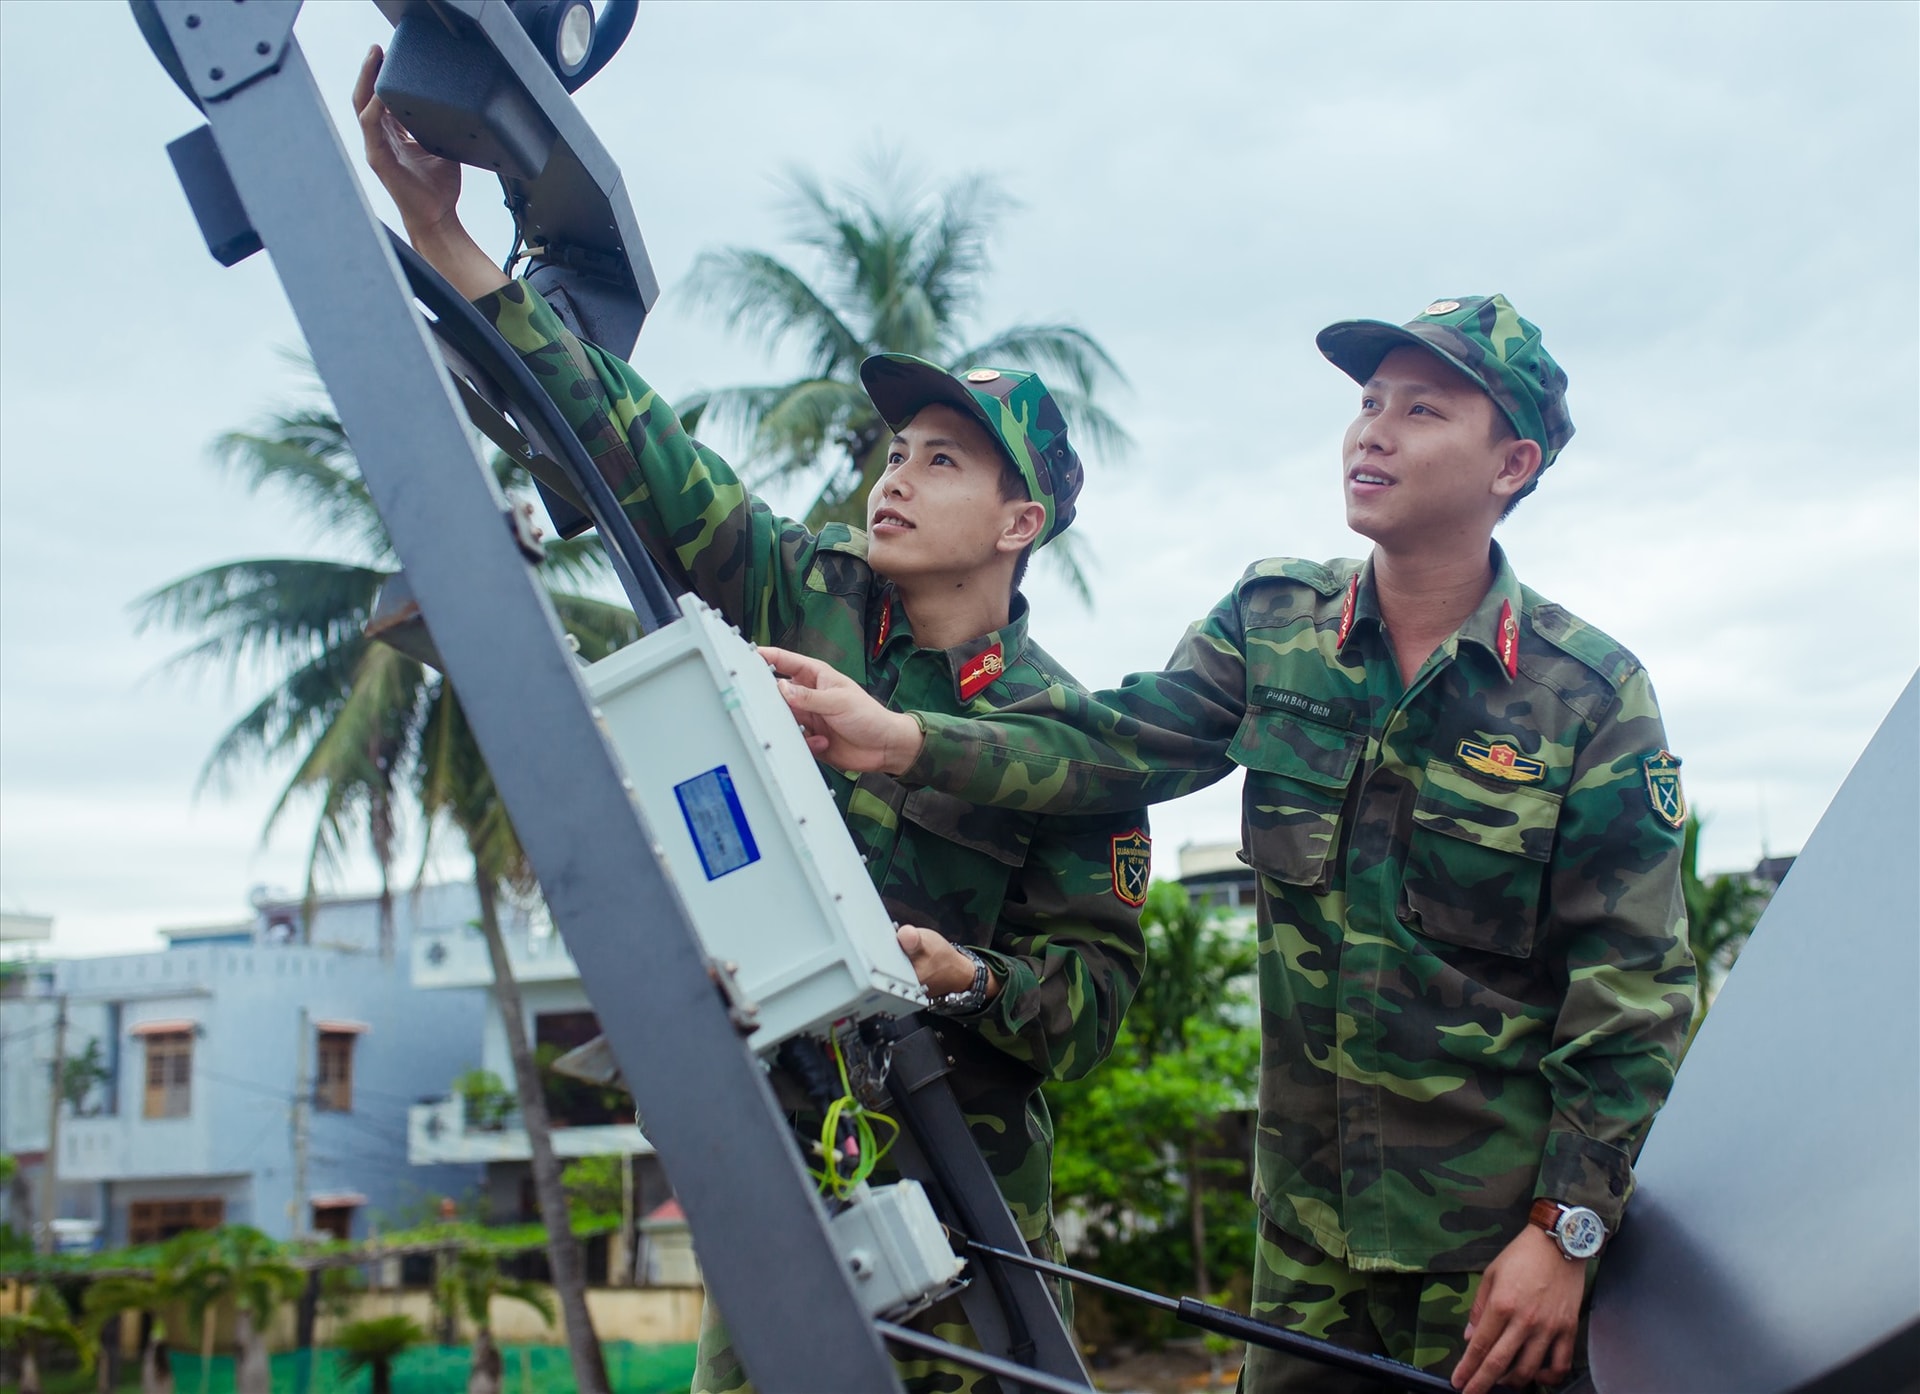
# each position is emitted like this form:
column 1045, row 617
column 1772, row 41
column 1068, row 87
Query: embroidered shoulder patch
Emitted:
column 1663, row 788
column 1132, row 866
column 1501, row 761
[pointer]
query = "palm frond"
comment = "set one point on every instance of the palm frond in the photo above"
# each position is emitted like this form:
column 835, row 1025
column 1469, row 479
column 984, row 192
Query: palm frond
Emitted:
column 735, row 409
column 575, row 561
column 306, row 456
column 953, row 258
column 762, row 295
column 601, row 626
column 1069, row 557
column 282, row 610
column 294, row 711
column 1065, row 354
column 1095, row 431
column 810, row 417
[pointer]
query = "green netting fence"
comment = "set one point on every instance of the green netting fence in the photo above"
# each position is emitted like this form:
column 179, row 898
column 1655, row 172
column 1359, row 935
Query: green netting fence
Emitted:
column 631, row 1369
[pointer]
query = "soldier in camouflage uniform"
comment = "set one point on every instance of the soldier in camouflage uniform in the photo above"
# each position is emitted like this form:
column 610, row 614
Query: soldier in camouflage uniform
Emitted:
column 1474, row 975
column 1026, row 924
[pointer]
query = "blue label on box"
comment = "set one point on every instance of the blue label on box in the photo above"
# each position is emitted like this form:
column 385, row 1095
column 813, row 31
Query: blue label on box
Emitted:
column 719, row 827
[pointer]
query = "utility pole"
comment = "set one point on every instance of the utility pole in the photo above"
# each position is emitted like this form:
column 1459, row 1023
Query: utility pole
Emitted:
column 50, row 1170
column 302, row 1102
column 629, row 1248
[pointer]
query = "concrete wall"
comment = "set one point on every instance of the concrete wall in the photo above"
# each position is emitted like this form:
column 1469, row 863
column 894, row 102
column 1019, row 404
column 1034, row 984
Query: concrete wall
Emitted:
column 645, row 1316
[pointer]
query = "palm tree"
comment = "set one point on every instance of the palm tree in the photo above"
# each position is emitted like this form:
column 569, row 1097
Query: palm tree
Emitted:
column 349, row 710
column 46, row 1320
column 455, row 786
column 900, row 269
column 373, row 1345
column 148, row 1296
column 373, row 730
column 468, row 1285
column 240, row 1265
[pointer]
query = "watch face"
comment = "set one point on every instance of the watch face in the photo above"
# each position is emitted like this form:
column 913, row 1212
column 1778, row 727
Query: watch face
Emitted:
column 1580, row 1232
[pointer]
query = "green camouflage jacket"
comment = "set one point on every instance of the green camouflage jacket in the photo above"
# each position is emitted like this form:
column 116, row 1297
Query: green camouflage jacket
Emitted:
column 1474, row 973
column 1050, row 902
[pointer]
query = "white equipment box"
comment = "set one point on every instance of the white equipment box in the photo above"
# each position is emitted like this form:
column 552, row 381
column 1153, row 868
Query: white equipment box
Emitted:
column 749, row 832
column 896, row 1250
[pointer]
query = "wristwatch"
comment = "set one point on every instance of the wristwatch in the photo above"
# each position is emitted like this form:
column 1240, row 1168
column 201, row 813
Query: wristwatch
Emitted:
column 970, row 998
column 1578, row 1231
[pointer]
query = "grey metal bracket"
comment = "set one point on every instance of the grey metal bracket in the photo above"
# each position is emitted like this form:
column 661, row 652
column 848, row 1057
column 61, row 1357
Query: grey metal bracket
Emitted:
column 720, row 1132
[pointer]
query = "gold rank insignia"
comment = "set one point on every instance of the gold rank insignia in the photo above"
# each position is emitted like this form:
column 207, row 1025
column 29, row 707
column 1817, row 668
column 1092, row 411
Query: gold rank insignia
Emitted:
column 981, row 673
column 1663, row 788
column 1509, row 640
column 1347, row 609
column 1501, row 761
column 1132, row 866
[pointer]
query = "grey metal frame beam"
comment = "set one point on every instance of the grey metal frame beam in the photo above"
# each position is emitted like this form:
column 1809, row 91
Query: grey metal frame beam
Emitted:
column 768, row 1257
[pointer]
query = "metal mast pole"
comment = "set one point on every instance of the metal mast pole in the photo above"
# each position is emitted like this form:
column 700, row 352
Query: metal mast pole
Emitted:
column 769, row 1259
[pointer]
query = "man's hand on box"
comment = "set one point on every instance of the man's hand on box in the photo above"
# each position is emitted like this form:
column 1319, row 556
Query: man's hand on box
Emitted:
column 846, row 728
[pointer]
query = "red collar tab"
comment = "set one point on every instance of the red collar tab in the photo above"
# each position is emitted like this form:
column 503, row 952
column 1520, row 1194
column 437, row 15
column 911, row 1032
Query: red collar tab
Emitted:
column 1509, row 640
column 1346, row 612
column 981, row 672
column 886, row 627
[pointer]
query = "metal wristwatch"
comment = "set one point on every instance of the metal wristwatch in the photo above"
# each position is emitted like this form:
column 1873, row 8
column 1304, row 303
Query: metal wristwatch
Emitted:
column 1579, row 1232
column 969, row 999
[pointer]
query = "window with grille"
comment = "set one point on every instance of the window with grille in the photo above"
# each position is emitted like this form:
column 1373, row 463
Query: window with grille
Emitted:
column 333, row 1075
column 169, row 1074
column 152, row 1221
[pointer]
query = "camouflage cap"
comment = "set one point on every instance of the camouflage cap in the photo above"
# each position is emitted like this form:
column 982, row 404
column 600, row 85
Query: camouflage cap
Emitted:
column 1485, row 338
column 1015, row 406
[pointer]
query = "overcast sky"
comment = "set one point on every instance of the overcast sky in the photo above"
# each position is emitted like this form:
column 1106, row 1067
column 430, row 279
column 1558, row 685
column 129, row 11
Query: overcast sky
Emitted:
column 1711, row 211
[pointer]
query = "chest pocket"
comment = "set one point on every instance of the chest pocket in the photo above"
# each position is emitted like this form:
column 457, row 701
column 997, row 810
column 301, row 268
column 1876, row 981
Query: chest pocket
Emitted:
column 956, row 864
column 1296, row 785
column 1477, row 860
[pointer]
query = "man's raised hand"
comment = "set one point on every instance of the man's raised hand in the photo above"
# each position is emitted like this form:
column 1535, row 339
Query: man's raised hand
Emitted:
column 424, row 187
column 845, row 727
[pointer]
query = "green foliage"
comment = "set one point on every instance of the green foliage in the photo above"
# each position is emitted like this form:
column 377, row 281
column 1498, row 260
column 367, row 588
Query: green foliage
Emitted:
column 594, row 1185
column 898, row 266
column 372, row 1345
column 1149, row 1148
column 80, row 1075
column 1198, row 964
column 9, row 1164
column 46, row 1322
column 470, row 1279
column 1721, row 913
column 485, row 1097
column 238, row 1263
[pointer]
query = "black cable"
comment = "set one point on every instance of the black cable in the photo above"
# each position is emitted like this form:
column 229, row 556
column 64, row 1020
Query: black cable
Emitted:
column 1019, row 1334
column 979, row 1360
column 468, row 331
column 1225, row 1322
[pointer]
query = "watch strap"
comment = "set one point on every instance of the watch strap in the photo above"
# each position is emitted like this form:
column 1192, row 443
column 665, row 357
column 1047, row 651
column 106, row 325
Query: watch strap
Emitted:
column 970, row 998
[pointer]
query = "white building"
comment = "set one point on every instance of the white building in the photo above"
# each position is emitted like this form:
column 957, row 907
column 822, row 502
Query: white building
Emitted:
column 258, row 1072
column 587, row 1122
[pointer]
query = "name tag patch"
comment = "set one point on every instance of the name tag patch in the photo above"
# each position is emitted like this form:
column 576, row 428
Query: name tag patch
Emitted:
column 1279, row 699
